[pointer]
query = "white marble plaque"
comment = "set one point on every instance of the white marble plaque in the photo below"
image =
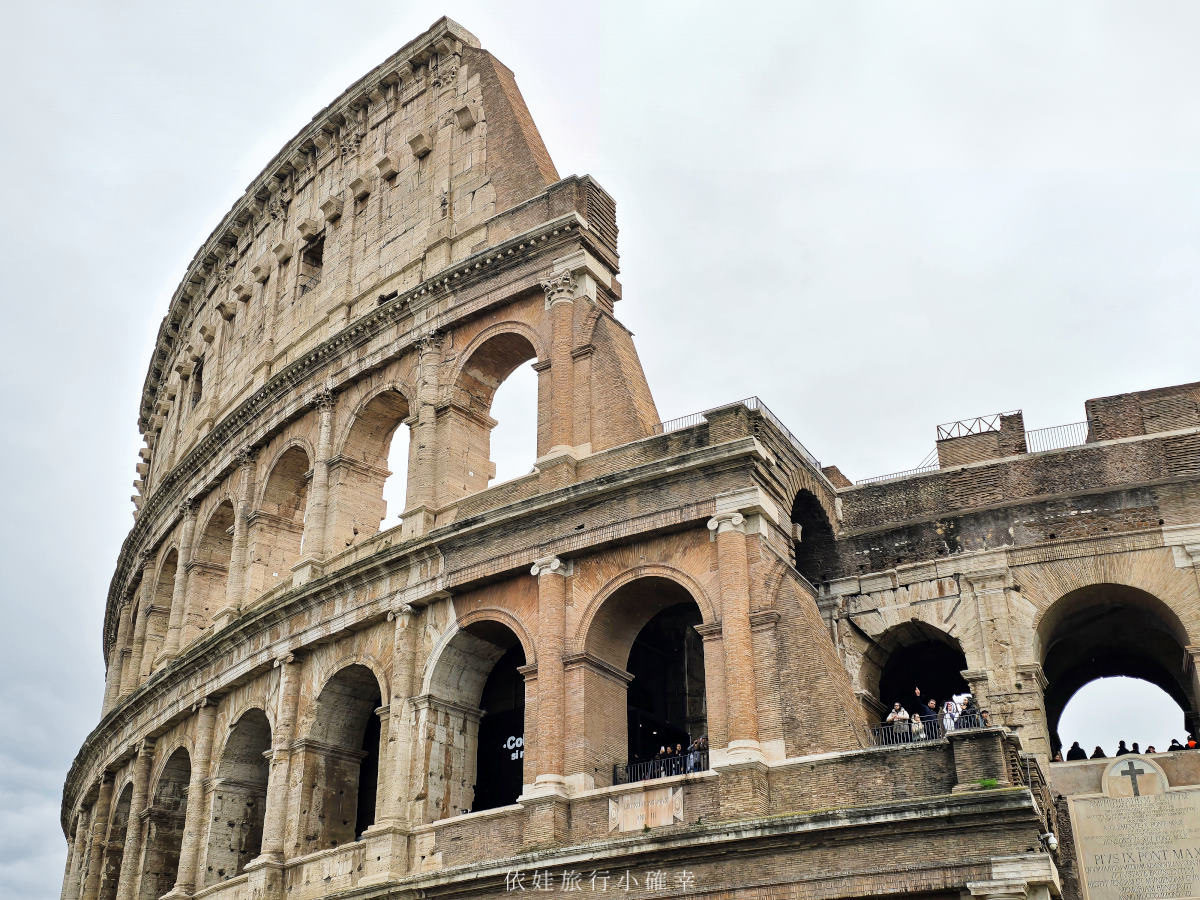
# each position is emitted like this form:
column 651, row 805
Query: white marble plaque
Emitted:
column 645, row 809
column 1141, row 840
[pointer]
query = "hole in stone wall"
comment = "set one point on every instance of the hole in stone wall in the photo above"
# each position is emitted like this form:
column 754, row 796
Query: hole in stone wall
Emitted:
column 514, row 439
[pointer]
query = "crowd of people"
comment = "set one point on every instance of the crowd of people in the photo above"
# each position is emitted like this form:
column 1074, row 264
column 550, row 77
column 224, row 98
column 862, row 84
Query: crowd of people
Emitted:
column 930, row 720
column 1076, row 752
column 669, row 760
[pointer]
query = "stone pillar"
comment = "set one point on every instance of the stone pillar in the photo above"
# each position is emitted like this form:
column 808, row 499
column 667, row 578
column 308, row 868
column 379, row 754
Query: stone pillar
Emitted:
column 91, row 887
column 275, row 819
column 131, row 677
column 552, row 609
column 400, row 729
column 75, row 856
column 132, row 857
column 741, row 702
column 318, row 496
column 193, row 822
column 117, row 660
column 560, row 296
column 235, row 584
column 179, row 596
column 423, row 497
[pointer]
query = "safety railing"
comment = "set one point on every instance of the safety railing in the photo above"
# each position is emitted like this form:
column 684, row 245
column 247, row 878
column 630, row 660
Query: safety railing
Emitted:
column 752, row 403
column 687, row 763
column 977, row 425
column 894, row 476
column 1056, row 437
column 918, row 729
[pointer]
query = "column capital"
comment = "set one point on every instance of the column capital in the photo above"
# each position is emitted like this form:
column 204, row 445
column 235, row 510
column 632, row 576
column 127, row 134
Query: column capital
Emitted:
column 430, row 343
column 247, row 456
column 284, row 659
column 559, row 287
column 404, row 610
column 323, row 399
column 727, row 521
column 187, row 508
column 548, row 565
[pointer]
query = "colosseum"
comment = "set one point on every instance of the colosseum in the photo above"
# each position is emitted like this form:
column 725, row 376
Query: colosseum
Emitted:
column 304, row 700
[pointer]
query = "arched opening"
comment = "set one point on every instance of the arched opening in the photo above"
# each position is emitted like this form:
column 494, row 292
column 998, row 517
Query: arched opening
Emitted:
column 239, row 799
column 368, row 483
column 1109, row 710
column 159, row 613
column 814, row 545
column 513, row 441
column 340, row 760
column 912, row 657
column 1108, row 630
column 647, row 631
column 114, row 847
column 209, row 573
column 477, row 689
column 277, row 527
column 471, row 420
column 164, row 827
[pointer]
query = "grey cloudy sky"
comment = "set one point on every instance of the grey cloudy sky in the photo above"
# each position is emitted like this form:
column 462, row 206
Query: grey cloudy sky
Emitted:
column 876, row 216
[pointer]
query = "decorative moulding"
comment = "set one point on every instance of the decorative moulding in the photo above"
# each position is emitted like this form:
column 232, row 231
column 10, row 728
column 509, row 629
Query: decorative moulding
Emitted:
column 242, row 291
column 465, row 116
column 360, row 187
column 282, row 251
column 308, row 228
column 227, row 309
column 388, row 164
column 420, row 144
column 261, row 270
column 332, row 208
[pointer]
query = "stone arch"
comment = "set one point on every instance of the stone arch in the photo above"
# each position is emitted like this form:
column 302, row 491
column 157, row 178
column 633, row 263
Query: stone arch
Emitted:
column 114, row 846
column 276, row 527
column 641, row 674
column 907, row 656
column 465, row 424
column 339, row 758
column 578, row 644
column 474, row 689
column 473, row 617
column 359, row 469
column 208, row 575
column 164, row 824
column 239, row 797
column 1110, row 629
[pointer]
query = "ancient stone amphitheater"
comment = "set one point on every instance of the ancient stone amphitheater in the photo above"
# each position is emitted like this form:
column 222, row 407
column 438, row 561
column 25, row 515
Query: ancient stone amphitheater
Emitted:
column 302, row 703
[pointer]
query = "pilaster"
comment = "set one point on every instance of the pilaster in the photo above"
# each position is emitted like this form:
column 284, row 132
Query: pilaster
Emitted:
column 132, row 856
column 551, row 574
column 187, row 512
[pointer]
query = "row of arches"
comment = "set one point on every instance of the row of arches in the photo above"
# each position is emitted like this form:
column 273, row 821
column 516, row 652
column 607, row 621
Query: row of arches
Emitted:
column 470, row 723
column 369, row 472
column 1093, row 633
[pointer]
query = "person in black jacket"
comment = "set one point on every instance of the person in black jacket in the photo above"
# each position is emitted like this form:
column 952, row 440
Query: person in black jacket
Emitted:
column 1099, row 753
column 1076, row 752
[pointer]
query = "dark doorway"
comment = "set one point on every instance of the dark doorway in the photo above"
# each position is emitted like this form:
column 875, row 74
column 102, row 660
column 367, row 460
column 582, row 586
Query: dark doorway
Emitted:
column 666, row 696
column 368, row 773
column 816, row 553
column 499, row 767
column 931, row 665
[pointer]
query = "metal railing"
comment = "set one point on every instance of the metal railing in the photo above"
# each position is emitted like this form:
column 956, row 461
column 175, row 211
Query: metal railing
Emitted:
column 977, row 425
column 752, row 403
column 919, row 729
column 920, row 470
column 689, row 763
column 1056, row 437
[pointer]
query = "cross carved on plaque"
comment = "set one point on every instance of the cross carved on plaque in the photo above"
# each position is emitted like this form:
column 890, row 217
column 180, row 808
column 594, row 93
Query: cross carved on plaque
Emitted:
column 1131, row 771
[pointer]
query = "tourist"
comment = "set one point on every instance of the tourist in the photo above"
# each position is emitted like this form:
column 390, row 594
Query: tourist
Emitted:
column 970, row 717
column 949, row 716
column 1099, row 753
column 1151, row 749
column 929, row 719
column 916, row 727
column 1175, row 745
column 897, row 721
column 1057, row 757
column 1135, row 748
column 983, row 717
column 1121, row 749
column 1191, row 742
column 678, row 760
column 1076, row 753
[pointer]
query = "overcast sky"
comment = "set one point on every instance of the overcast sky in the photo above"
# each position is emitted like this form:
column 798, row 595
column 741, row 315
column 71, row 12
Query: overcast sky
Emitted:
column 875, row 216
